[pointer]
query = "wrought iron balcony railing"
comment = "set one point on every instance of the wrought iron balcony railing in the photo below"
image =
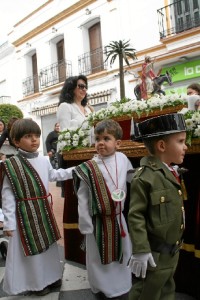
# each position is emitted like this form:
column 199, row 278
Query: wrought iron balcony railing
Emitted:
column 30, row 85
column 49, row 76
column 55, row 73
column 179, row 16
column 91, row 62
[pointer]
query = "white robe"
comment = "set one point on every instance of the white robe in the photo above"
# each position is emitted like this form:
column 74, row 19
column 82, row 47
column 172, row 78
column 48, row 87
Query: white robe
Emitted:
column 113, row 279
column 31, row 273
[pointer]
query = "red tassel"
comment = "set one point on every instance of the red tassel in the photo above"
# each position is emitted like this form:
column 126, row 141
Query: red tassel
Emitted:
column 123, row 234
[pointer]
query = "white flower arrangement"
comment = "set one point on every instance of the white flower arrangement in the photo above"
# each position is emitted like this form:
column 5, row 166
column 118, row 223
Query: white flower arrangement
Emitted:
column 192, row 120
column 128, row 107
column 75, row 138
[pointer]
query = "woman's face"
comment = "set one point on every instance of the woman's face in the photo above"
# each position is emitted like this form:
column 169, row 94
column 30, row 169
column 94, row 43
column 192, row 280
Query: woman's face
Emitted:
column 1, row 126
column 80, row 90
column 191, row 92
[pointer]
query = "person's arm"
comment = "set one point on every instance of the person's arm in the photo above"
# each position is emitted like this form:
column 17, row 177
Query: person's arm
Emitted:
column 137, row 216
column 141, row 250
column 85, row 219
column 152, row 74
column 159, row 72
column 8, row 207
column 64, row 115
column 58, row 174
column 149, row 71
column 130, row 171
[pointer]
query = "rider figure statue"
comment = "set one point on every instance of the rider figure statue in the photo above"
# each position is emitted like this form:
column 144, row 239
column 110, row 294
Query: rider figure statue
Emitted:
column 148, row 75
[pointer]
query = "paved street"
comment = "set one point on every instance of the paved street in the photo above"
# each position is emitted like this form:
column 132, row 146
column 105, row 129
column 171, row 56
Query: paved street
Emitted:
column 74, row 283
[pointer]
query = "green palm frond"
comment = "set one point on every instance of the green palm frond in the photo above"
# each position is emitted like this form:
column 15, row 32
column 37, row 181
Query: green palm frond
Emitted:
column 116, row 48
column 123, row 51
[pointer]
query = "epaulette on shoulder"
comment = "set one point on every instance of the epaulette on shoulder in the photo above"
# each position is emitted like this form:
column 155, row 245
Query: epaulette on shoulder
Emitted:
column 139, row 171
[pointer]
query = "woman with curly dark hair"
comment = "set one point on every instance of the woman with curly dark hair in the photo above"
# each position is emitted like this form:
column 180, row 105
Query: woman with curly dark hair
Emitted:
column 73, row 106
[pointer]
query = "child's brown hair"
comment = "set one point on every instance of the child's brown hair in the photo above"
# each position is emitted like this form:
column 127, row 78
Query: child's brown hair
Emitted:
column 22, row 127
column 111, row 127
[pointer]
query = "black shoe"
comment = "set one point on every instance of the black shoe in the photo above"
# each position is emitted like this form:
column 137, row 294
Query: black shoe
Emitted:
column 55, row 284
column 3, row 249
column 43, row 292
column 28, row 293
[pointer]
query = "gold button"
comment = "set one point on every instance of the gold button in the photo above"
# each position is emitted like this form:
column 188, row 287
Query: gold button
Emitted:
column 177, row 242
column 162, row 199
column 180, row 193
column 182, row 226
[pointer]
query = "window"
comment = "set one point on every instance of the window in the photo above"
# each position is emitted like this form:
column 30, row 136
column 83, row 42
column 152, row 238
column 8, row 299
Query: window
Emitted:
column 96, row 55
column 186, row 14
column 30, row 83
column 92, row 60
column 61, row 60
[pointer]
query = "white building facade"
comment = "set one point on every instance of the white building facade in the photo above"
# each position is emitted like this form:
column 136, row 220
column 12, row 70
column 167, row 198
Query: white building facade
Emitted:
column 63, row 38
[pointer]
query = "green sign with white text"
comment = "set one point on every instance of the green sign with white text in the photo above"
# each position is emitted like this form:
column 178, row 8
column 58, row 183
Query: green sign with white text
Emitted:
column 188, row 70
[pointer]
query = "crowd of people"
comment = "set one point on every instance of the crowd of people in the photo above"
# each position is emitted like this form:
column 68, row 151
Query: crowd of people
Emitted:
column 133, row 258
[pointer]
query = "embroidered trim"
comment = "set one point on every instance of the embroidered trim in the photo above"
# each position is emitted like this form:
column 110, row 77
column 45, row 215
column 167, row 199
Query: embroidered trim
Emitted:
column 37, row 225
column 102, row 210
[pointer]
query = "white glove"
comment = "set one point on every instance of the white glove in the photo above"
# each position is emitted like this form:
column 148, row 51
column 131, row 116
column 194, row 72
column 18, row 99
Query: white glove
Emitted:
column 138, row 263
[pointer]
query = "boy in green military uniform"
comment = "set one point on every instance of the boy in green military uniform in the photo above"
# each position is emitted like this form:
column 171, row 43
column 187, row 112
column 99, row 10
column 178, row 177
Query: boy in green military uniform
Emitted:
column 156, row 213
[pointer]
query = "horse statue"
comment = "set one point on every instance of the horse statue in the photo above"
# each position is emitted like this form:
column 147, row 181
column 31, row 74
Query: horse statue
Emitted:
column 157, row 82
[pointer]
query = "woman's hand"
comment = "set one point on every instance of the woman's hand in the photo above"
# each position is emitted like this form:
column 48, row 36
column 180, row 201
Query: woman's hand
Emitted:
column 8, row 232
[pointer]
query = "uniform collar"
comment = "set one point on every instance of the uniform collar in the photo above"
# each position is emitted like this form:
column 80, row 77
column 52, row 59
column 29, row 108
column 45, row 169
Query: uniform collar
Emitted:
column 156, row 164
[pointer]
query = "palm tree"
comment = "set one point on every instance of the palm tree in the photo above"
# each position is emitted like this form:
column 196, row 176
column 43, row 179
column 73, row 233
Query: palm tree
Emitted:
column 123, row 50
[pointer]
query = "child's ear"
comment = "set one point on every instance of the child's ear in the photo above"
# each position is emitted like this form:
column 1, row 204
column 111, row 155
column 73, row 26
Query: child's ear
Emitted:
column 160, row 145
column 118, row 143
column 16, row 143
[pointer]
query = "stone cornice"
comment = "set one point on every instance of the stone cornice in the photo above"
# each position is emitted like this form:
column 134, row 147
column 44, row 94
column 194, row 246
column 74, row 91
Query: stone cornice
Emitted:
column 52, row 21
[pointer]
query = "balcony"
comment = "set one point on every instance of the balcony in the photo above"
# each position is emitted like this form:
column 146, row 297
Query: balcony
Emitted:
column 55, row 73
column 178, row 17
column 91, row 62
column 49, row 76
column 30, row 85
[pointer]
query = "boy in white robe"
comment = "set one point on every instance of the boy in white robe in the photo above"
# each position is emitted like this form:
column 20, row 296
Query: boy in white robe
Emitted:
column 34, row 273
column 106, row 274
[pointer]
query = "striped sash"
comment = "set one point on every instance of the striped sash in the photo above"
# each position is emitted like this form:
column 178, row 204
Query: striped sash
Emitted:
column 102, row 210
column 36, row 222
